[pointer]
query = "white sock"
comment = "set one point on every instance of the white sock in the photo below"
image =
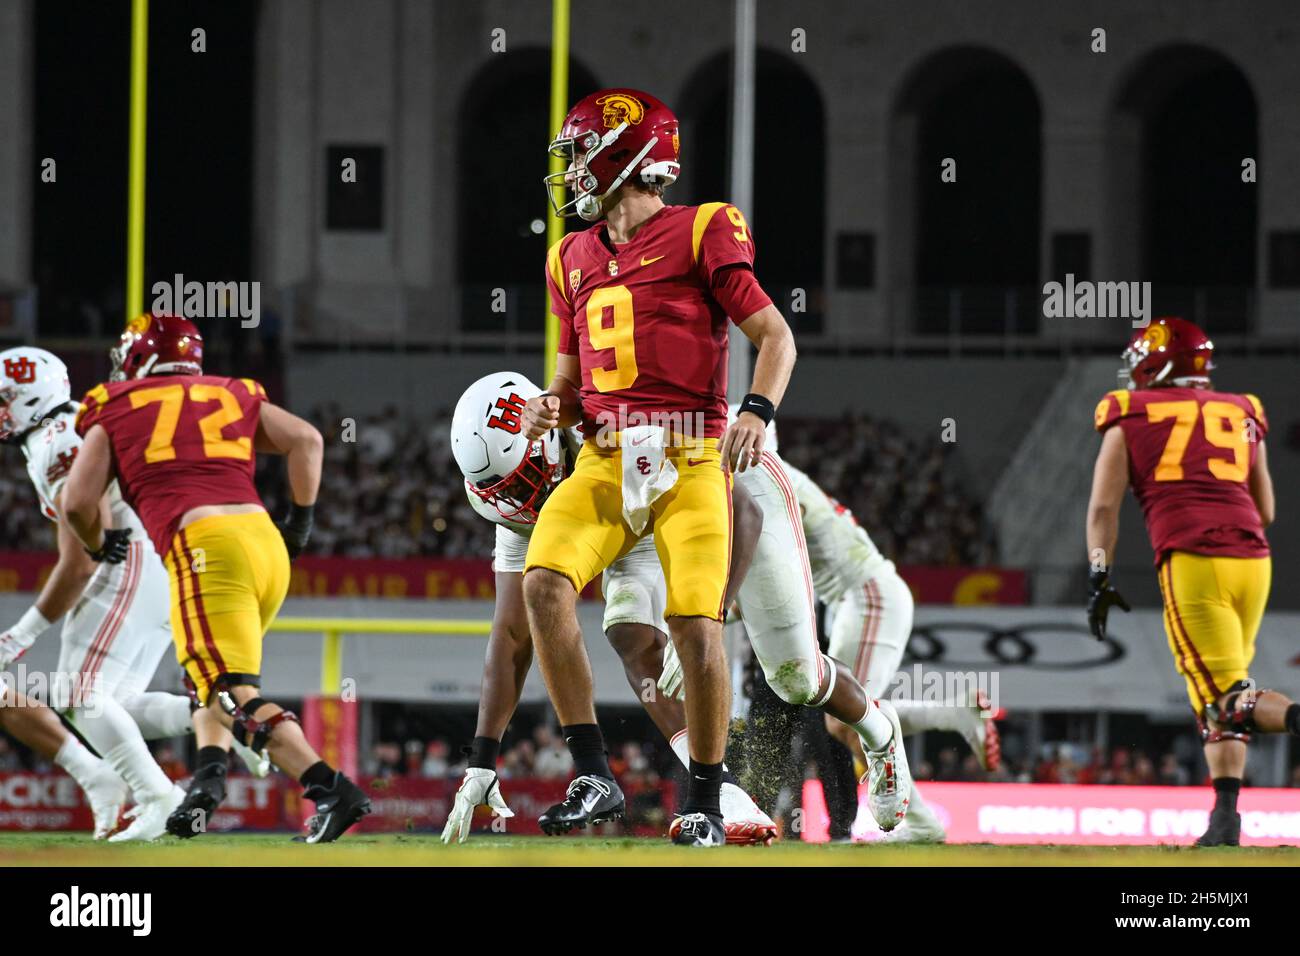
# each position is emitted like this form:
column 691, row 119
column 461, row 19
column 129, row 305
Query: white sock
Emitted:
column 917, row 716
column 81, row 765
column 874, row 728
column 160, row 715
column 115, row 735
column 682, row 747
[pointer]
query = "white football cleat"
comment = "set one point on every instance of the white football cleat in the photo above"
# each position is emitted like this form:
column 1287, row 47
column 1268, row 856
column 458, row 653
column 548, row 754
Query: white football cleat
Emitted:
column 107, row 795
column 151, row 818
column 888, row 779
column 257, row 762
column 981, row 733
column 744, row 822
column 921, row 825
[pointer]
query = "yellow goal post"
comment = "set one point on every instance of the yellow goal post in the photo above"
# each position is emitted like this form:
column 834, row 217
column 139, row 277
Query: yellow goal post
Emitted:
column 332, row 630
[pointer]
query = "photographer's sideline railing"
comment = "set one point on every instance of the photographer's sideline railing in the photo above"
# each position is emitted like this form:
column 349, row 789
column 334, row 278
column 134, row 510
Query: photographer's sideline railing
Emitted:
column 332, row 630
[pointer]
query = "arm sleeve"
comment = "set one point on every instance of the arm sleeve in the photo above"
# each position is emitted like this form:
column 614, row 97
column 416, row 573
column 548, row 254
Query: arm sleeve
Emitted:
column 738, row 292
column 1112, row 407
column 720, row 237
column 1261, row 420
column 91, row 410
column 561, row 308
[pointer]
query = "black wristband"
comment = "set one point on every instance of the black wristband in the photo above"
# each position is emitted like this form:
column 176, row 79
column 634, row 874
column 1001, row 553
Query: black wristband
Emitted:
column 1098, row 578
column 301, row 517
column 758, row 405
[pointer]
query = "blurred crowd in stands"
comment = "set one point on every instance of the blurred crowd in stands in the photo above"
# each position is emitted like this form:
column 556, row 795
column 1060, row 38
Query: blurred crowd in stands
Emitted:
column 391, row 489
column 398, row 493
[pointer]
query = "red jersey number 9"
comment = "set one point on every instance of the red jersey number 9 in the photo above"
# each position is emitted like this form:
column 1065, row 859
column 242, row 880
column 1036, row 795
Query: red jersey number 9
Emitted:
column 170, row 398
column 617, row 336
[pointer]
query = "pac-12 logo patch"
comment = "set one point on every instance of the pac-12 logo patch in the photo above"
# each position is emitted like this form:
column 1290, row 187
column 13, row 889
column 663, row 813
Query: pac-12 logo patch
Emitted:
column 510, row 419
column 575, row 279
column 22, row 370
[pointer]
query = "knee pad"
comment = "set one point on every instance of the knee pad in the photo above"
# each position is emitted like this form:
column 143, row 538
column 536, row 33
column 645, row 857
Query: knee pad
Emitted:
column 1231, row 717
column 628, row 601
column 791, row 681
column 247, row 729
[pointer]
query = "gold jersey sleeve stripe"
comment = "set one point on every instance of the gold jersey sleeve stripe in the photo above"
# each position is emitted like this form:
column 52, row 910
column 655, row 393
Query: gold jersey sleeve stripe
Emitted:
column 703, row 214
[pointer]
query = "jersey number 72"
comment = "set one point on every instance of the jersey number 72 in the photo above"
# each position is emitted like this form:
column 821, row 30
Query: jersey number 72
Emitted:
column 171, row 398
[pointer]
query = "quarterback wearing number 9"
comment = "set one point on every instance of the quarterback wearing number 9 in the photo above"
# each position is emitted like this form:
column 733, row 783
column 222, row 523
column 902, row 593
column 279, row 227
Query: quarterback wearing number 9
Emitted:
column 644, row 298
column 1197, row 463
column 181, row 445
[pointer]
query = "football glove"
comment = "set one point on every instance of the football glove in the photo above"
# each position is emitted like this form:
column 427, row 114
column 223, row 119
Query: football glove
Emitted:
column 117, row 542
column 479, row 788
column 1101, row 598
column 297, row 529
column 15, row 641
column 671, row 682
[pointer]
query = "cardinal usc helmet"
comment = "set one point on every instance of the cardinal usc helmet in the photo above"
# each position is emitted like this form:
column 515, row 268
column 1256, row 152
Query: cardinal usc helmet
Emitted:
column 157, row 345
column 1169, row 351
column 507, row 477
column 33, row 383
column 607, row 137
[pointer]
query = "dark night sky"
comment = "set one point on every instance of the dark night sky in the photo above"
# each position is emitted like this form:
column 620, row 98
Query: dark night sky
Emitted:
column 198, row 153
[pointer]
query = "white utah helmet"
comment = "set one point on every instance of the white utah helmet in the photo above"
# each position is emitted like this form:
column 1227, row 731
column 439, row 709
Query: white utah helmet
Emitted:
column 507, row 477
column 769, row 443
column 33, row 383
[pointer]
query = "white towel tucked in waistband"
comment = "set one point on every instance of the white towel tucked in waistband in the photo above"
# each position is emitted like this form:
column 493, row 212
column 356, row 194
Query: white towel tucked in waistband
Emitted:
column 647, row 473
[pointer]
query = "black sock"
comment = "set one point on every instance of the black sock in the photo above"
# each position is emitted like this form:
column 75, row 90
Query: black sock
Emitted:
column 1293, row 720
column 483, row 753
column 704, row 781
column 319, row 774
column 588, row 749
column 729, row 777
column 1225, row 793
column 212, row 757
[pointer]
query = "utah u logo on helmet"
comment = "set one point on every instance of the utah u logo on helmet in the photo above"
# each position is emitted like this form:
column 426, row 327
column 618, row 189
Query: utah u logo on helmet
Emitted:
column 511, row 410
column 22, row 370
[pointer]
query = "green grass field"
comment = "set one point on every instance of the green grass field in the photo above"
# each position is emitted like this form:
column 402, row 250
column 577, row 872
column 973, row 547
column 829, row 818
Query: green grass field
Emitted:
column 426, row 850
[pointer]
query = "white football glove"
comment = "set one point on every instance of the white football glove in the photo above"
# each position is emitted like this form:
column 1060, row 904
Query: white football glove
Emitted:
column 671, row 683
column 12, row 647
column 479, row 788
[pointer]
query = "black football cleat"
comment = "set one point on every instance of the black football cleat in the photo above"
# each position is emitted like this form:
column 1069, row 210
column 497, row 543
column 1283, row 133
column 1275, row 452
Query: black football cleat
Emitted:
column 207, row 790
column 698, row 829
column 338, row 806
column 589, row 800
column 1224, row 829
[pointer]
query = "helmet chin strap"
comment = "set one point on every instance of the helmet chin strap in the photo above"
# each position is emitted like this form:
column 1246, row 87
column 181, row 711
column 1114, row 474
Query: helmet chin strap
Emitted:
column 589, row 206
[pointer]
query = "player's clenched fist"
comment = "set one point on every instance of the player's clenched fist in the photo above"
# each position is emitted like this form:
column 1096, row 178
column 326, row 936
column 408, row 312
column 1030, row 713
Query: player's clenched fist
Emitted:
column 742, row 445
column 541, row 414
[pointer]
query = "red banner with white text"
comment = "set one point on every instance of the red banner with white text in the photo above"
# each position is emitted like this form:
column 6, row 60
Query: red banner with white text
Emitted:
column 473, row 578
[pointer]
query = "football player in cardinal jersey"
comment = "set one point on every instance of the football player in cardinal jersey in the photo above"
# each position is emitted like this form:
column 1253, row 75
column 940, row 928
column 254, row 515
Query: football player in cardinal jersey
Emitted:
column 180, row 445
column 1198, row 466
column 644, row 298
column 507, row 479
column 116, row 628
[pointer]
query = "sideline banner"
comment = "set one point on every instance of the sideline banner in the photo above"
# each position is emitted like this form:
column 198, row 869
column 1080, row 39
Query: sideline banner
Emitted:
column 1018, row 813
